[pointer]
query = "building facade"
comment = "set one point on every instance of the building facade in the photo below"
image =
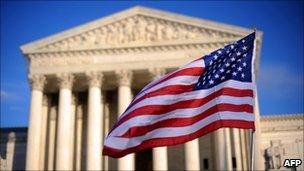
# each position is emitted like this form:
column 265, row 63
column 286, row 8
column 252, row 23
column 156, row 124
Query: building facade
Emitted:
column 281, row 138
column 83, row 77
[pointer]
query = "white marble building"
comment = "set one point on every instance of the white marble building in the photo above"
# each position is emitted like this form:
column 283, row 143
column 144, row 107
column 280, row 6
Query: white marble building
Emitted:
column 282, row 134
column 83, row 77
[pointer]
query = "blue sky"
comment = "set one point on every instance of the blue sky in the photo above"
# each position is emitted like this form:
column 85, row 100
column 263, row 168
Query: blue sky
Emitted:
column 280, row 82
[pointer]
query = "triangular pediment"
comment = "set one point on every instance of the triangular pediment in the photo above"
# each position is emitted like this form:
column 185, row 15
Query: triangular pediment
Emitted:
column 135, row 27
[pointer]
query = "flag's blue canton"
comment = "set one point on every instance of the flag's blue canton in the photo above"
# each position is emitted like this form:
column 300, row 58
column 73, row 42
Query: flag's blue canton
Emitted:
column 231, row 62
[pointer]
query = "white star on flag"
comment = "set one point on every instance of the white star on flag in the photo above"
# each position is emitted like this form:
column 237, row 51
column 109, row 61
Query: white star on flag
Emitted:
column 211, row 82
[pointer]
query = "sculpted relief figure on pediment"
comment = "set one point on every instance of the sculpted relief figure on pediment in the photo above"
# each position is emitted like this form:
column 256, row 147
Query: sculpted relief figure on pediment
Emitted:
column 138, row 29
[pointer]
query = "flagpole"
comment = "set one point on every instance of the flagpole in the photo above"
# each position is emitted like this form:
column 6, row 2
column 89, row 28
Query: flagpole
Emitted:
column 252, row 133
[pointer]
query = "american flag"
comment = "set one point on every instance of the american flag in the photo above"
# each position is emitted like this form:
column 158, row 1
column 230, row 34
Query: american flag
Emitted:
column 209, row 93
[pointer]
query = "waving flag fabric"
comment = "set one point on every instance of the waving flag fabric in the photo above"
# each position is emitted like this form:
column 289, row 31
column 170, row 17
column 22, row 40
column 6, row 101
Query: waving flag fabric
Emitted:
column 209, row 93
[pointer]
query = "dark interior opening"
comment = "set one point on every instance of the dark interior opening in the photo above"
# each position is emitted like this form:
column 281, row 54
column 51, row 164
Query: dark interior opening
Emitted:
column 234, row 162
column 206, row 164
column 143, row 160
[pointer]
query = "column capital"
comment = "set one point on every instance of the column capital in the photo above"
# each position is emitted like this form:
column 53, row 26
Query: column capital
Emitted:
column 156, row 72
column 124, row 77
column 37, row 81
column 45, row 100
column 79, row 113
column 53, row 113
column 94, row 78
column 12, row 137
column 65, row 80
column 74, row 99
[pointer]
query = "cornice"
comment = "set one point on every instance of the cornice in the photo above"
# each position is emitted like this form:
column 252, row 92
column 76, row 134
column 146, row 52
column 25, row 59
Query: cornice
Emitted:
column 283, row 117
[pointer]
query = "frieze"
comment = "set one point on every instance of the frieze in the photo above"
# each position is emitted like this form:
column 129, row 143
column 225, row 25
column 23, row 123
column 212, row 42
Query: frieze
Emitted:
column 137, row 29
column 63, row 60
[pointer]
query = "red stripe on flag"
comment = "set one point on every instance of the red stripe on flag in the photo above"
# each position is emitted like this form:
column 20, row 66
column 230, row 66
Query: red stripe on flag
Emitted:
column 168, row 90
column 194, row 71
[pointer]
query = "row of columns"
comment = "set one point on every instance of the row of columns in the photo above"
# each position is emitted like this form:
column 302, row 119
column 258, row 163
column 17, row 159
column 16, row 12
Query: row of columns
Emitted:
column 65, row 125
column 64, row 149
column 247, row 153
column 224, row 152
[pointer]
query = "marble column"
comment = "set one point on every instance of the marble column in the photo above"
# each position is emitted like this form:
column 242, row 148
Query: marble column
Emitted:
column 64, row 132
column 10, row 150
column 192, row 157
column 95, row 123
column 124, row 99
column 244, row 150
column 258, row 154
column 248, row 149
column 228, row 149
column 52, row 137
column 79, row 118
column 34, row 129
column 106, row 131
column 192, row 160
column 160, row 156
column 219, row 150
column 73, row 129
column 43, row 132
column 237, row 148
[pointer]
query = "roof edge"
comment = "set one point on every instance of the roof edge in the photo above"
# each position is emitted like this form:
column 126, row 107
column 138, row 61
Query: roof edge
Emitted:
column 283, row 116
